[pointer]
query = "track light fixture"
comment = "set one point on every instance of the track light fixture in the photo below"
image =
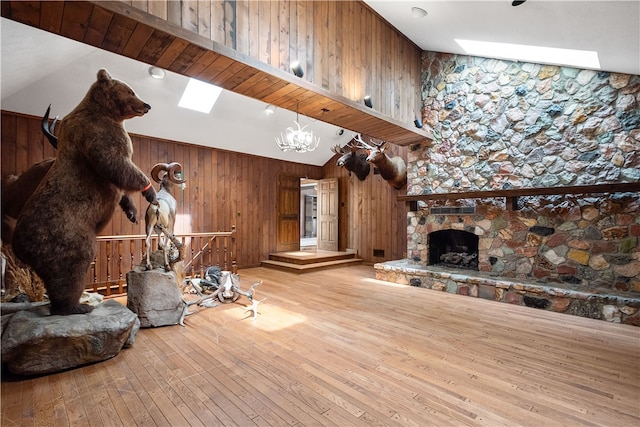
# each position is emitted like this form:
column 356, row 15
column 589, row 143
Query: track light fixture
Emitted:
column 269, row 109
column 296, row 69
column 418, row 123
column 367, row 101
column 517, row 2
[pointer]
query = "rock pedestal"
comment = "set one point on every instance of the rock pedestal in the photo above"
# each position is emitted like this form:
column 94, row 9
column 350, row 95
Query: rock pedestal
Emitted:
column 154, row 296
column 35, row 342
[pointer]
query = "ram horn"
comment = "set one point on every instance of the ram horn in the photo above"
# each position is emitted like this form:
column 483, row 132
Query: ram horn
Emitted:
column 175, row 173
column 48, row 130
column 173, row 170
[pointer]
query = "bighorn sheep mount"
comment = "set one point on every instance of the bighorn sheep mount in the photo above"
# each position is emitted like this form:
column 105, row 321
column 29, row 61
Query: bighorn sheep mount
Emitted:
column 351, row 160
column 392, row 169
column 161, row 218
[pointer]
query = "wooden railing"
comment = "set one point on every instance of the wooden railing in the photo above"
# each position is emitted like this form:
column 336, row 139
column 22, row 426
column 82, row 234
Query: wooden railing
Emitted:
column 117, row 255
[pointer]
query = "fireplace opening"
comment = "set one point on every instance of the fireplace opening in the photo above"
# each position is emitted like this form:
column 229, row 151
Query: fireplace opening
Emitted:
column 453, row 248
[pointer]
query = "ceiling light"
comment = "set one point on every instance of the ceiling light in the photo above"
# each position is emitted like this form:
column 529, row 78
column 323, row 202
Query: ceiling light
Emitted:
column 199, row 96
column 296, row 69
column 536, row 54
column 367, row 101
column 156, row 73
column 418, row 12
column 270, row 109
column 297, row 139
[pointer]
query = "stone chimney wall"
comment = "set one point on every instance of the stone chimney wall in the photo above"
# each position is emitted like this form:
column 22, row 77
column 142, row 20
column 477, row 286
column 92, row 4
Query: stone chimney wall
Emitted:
column 502, row 125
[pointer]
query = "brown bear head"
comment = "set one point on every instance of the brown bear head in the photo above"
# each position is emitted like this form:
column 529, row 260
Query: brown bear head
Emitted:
column 117, row 97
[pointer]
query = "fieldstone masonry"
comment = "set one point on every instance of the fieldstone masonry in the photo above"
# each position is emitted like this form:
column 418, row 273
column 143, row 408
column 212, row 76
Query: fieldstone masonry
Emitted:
column 505, row 125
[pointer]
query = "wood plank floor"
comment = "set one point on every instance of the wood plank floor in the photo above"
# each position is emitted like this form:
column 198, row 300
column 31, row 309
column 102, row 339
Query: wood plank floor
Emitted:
column 339, row 348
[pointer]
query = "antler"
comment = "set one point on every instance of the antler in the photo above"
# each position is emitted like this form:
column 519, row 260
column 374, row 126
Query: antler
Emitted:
column 375, row 146
column 352, row 145
column 48, row 130
column 361, row 143
column 173, row 170
column 337, row 149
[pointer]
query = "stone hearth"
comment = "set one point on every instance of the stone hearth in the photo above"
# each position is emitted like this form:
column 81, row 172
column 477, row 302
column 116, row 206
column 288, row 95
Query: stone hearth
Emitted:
column 603, row 304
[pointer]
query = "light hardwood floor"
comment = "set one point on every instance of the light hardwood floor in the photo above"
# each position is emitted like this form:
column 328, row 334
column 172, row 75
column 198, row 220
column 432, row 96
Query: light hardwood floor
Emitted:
column 339, row 348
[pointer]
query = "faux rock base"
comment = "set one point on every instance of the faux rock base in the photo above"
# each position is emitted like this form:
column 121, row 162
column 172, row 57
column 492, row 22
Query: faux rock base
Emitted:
column 154, row 296
column 34, row 342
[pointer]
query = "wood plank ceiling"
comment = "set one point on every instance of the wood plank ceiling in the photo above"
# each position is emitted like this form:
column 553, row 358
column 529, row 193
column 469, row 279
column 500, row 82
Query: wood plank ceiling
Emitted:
column 124, row 30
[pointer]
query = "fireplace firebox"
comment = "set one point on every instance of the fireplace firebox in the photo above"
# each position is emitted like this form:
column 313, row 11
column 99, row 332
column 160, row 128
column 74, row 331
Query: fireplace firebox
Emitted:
column 453, row 248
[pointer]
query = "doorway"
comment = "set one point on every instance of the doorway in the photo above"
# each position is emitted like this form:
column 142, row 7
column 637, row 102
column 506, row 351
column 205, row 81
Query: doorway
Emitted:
column 308, row 214
column 319, row 214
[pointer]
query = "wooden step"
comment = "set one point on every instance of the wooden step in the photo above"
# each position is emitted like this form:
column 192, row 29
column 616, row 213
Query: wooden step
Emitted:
column 308, row 267
column 310, row 257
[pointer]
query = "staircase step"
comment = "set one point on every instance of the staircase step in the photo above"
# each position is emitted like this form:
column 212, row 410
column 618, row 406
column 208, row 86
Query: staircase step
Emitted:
column 310, row 257
column 308, row 267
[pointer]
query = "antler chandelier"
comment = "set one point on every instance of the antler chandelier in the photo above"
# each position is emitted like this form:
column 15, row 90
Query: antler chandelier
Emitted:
column 297, row 139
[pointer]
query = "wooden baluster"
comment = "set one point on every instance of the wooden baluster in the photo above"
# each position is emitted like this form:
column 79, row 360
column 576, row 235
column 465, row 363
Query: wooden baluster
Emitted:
column 95, row 275
column 132, row 250
column 232, row 250
column 119, row 266
column 225, row 255
column 108, row 282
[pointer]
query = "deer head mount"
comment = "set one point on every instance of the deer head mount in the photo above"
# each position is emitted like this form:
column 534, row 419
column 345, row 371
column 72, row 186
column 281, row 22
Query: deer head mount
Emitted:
column 351, row 160
column 392, row 169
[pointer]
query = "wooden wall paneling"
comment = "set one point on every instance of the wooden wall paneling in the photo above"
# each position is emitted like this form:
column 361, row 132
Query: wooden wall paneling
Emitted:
column 22, row 153
column 309, row 41
column 35, row 144
column 191, row 158
column 253, row 30
column 189, row 15
column 292, row 53
column 141, row 4
column 274, row 34
column 8, row 131
column 158, row 8
column 204, row 18
column 242, row 26
column 333, row 46
column 230, row 22
column 174, row 12
column 218, row 21
column 264, row 28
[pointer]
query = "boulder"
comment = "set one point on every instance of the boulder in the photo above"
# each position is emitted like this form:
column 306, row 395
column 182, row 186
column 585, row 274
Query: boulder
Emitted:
column 35, row 342
column 154, row 295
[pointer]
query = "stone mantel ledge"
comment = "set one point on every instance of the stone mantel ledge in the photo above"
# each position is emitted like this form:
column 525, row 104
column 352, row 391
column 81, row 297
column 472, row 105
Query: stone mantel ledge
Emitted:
column 612, row 305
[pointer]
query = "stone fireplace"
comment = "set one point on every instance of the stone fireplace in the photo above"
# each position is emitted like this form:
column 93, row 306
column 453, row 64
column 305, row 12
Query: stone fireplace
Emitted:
column 453, row 248
column 500, row 128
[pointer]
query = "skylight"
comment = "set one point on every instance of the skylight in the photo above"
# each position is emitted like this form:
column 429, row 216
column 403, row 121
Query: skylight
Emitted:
column 538, row 54
column 199, row 96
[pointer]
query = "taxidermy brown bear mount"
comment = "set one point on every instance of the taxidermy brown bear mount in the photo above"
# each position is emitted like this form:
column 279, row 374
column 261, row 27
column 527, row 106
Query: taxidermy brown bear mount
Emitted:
column 56, row 230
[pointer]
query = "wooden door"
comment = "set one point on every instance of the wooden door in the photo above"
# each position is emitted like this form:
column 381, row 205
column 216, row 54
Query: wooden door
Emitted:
column 288, row 205
column 328, row 214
